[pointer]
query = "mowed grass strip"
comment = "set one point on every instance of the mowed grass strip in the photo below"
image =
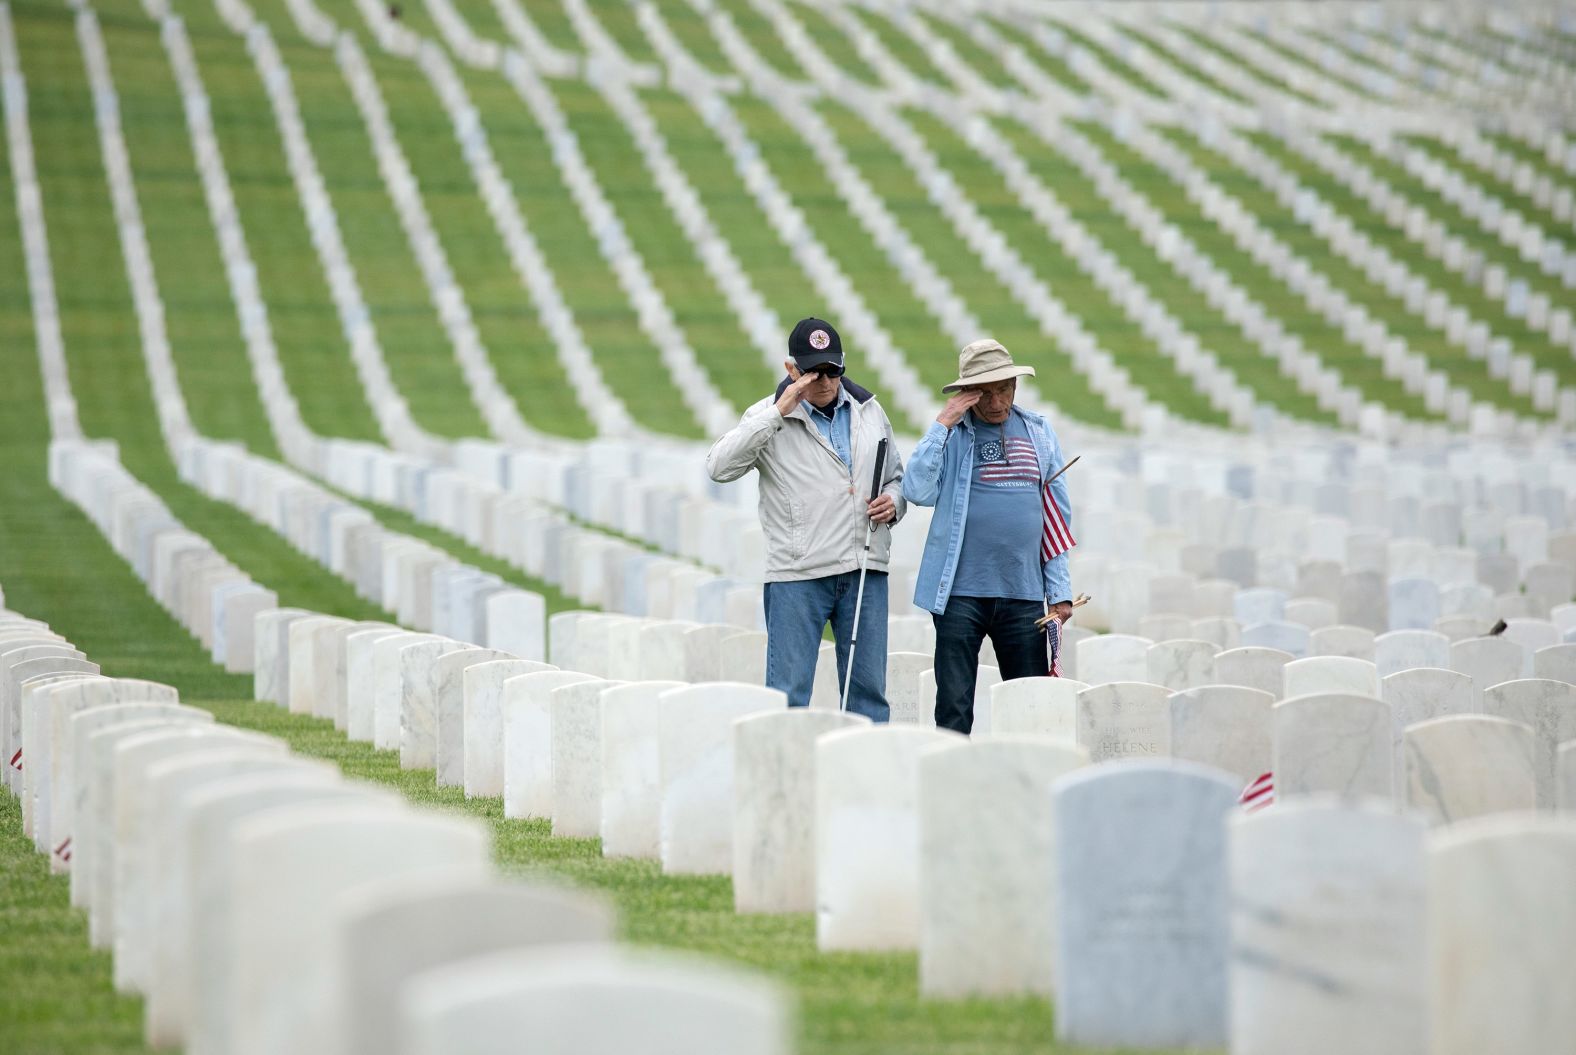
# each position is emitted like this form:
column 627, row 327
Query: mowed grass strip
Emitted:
column 838, row 50
column 1142, row 33
column 200, row 315
column 1469, row 230
column 1531, row 155
column 758, row 31
column 1113, row 63
column 903, row 48
column 1299, row 58
column 1056, row 64
column 1461, row 291
column 1252, row 69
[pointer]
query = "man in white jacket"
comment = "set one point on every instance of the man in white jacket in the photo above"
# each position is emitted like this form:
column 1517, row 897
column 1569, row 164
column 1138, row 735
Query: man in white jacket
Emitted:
column 814, row 444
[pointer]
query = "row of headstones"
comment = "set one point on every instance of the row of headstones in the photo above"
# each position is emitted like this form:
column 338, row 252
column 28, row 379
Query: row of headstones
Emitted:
column 1346, row 733
column 1053, row 317
column 1215, row 283
column 395, row 421
column 1513, row 228
column 424, row 586
column 1315, row 595
column 1536, row 309
column 810, row 808
column 198, row 586
column 261, row 903
column 1366, row 333
column 1435, row 306
column 1342, row 501
column 1520, row 175
column 1209, row 376
column 1536, row 650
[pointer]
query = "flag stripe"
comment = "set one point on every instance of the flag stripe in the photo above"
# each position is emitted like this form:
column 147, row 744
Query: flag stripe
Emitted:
column 1055, row 537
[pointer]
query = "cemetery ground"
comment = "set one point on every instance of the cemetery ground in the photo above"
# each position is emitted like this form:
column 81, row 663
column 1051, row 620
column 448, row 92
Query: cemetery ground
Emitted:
column 58, row 997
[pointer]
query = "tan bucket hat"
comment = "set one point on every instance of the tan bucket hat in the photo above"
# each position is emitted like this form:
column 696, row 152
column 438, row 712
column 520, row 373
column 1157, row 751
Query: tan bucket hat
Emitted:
column 985, row 361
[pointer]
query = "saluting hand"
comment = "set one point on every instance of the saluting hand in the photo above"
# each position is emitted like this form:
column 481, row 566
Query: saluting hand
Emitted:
column 958, row 405
column 793, row 395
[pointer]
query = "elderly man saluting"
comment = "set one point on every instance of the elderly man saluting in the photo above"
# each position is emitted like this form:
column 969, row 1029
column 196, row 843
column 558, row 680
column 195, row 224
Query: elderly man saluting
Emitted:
column 984, row 465
column 812, row 442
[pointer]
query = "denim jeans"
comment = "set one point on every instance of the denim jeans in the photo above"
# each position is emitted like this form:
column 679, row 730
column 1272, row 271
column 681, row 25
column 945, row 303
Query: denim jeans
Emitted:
column 961, row 629
column 796, row 613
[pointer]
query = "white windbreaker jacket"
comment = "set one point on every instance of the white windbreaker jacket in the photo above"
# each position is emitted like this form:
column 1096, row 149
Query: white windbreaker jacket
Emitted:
column 812, row 505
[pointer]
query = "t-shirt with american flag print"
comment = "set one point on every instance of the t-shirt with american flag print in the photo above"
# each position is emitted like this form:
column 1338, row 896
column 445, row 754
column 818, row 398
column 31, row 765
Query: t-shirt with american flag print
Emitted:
column 1000, row 556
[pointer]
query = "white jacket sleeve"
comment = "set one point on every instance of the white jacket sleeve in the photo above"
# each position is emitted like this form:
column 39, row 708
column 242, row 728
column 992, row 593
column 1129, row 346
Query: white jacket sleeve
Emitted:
column 742, row 446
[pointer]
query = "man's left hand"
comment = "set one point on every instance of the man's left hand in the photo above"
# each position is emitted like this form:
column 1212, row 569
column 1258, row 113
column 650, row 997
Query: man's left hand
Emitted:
column 1063, row 610
column 882, row 510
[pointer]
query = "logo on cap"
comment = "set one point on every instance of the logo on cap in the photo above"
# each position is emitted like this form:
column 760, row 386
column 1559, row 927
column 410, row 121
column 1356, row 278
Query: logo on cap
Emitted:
column 819, row 340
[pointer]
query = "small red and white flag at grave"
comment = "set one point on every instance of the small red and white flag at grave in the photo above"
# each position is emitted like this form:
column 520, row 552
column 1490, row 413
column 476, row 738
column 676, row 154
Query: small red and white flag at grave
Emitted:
column 1258, row 794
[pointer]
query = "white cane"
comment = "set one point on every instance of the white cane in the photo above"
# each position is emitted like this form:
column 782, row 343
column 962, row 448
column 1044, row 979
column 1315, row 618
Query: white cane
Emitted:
column 864, row 564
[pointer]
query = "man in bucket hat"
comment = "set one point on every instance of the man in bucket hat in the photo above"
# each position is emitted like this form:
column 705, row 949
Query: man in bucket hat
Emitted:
column 814, row 444
column 984, row 464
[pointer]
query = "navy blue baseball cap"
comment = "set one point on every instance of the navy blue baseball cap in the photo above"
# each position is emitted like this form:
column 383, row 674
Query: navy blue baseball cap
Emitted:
column 814, row 343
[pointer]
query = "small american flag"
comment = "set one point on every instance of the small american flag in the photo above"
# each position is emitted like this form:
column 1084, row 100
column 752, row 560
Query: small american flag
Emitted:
column 1056, row 537
column 1053, row 644
column 1258, row 794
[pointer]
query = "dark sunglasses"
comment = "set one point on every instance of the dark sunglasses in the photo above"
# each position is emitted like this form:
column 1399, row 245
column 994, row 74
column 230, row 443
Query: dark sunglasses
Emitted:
column 827, row 370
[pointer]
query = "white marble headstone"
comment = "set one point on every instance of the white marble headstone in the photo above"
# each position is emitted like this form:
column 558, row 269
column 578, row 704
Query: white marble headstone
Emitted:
column 986, row 855
column 774, row 807
column 1124, row 719
column 1501, row 926
column 1468, row 765
column 1338, row 743
column 1047, row 706
column 1327, row 931
column 483, row 691
column 1141, row 904
column 528, row 740
column 576, row 747
column 1549, row 707
column 448, row 690
column 603, row 1000
column 1182, row 664
column 867, row 836
column 695, row 767
column 392, row 931
column 1254, row 668
column 288, row 867
column 1225, row 726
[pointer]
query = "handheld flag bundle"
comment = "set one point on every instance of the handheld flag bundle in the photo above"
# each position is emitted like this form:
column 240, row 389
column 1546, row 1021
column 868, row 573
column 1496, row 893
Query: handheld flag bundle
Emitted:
column 864, row 563
column 1052, row 626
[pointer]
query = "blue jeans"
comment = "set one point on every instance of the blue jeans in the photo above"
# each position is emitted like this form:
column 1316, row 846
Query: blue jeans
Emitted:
column 961, row 629
column 796, row 613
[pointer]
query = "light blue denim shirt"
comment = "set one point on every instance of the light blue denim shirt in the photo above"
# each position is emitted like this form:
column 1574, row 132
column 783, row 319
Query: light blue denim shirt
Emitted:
column 832, row 423
column 940, row 473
